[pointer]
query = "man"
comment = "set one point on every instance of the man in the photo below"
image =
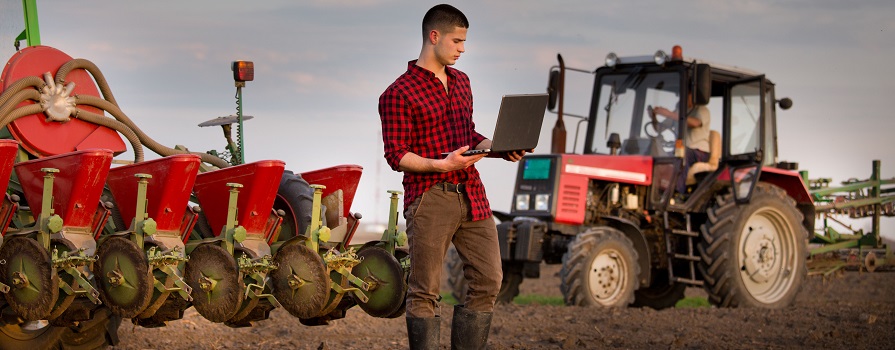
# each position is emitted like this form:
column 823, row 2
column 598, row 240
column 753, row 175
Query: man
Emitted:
column 696, row 140
column 427, row 111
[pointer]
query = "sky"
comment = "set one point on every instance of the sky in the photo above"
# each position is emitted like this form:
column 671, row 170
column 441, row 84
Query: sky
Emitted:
column 321, row 65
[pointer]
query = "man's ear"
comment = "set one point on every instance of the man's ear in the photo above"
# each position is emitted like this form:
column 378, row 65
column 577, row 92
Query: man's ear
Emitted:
column 433, row 36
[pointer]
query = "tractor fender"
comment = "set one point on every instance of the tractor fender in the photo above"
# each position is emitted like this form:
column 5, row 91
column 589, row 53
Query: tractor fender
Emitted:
column 644, row 255
column 794, row 186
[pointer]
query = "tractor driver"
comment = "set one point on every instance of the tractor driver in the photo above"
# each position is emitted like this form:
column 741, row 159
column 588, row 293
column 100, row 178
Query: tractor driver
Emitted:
column 427, row 111
column 696, row 140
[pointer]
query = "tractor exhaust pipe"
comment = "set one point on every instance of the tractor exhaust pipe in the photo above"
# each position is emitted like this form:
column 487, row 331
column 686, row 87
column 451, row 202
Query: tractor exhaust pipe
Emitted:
column 559, row 129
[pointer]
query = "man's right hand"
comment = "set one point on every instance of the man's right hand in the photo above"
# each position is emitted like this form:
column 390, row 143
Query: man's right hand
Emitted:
column 456, row 160
column 663, row 112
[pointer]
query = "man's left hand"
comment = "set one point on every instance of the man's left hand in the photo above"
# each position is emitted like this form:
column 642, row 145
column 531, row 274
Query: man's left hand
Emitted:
column 513, row 156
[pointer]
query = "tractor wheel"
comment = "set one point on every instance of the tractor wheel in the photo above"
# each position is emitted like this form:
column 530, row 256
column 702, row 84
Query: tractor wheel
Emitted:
column 512, row 278
column 98, row 333
column 295, row 197
column 509, row 287
column 600, row 269
column 660, row 294
column 36, row 335
column 753, row 255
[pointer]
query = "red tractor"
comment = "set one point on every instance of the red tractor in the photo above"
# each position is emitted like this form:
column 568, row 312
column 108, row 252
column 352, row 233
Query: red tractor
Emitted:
column 612, row 217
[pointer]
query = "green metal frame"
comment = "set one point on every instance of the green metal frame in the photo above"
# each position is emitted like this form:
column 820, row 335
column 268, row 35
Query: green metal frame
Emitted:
column 873, row 195
column 31, row 34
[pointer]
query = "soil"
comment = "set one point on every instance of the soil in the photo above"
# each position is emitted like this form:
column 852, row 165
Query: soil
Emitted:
column 847, row 310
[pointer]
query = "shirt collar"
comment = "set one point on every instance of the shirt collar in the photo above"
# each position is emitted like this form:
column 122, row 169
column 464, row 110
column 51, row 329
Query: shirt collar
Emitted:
column 417, row 70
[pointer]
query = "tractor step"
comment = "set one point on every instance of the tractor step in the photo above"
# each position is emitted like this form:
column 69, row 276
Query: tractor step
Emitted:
column 688, row 255
column 685, row 233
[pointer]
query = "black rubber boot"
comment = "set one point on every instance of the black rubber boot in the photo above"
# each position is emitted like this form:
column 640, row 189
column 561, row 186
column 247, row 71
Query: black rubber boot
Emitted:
column 469, row 330
column 423, row 333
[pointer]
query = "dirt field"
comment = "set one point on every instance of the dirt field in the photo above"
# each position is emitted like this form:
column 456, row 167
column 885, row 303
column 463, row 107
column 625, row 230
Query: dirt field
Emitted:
column 852, row 310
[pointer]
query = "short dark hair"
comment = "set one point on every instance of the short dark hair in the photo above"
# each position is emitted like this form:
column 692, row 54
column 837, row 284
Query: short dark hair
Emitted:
column 443, row 18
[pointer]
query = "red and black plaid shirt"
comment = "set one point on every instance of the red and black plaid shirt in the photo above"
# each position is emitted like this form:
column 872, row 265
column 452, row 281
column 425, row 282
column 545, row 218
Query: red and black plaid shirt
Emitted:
column 419, row 116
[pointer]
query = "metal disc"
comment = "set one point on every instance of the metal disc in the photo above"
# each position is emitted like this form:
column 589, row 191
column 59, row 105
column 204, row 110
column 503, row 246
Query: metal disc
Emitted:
column 28, row 271
column 300, row 283
column 386, row 278
column 401, row 254
column 213, row 275
column 123, row 277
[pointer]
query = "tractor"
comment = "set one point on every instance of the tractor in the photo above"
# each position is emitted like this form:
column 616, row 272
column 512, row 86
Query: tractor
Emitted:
column 611, row 214
column 87, row 240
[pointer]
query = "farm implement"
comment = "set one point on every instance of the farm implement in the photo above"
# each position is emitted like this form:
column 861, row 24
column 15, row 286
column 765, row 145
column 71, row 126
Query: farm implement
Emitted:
column 837, row 243
column 87, row 240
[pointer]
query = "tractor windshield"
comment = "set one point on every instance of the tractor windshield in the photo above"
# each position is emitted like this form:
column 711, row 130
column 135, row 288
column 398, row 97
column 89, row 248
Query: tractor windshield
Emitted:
column 625, row 106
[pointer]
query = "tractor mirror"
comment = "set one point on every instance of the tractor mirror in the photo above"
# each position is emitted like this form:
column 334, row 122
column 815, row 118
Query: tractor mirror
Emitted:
column 785, row 103
column 552, row 89
column 703, row 84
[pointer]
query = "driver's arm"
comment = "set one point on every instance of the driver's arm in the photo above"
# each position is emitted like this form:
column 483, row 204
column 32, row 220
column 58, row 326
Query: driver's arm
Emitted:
column 693, row 122
column 665, row 112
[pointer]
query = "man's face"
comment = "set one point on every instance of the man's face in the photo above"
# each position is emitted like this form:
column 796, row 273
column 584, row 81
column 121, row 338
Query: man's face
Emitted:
column 450, row 45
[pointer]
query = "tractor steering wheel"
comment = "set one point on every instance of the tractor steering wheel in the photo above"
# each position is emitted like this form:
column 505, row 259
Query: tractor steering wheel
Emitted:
column 666, row 129
column 658, row 128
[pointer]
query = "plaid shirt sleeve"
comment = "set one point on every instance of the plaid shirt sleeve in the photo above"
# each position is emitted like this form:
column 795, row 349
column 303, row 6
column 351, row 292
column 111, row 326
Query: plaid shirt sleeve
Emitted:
column 396, row 126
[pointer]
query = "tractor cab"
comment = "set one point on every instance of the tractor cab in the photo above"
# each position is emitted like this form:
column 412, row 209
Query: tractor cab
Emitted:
column 629, row 92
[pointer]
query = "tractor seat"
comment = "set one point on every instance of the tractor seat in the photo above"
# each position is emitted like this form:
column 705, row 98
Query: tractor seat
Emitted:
column 712, row 163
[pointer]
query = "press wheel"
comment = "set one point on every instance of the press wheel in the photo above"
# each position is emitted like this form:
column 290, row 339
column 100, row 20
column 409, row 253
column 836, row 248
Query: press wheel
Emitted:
column 301, row 282
column 218, row 290
column 28, row 271
column 385, row 276
column 123, row 277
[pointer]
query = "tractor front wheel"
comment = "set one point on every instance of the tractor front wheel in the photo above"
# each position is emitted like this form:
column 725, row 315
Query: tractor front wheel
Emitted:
column 753, row 254
column 600, row 269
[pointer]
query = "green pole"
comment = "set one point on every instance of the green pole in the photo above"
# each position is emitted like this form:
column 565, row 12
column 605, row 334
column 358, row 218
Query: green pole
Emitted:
column 242, row 158
column 875, row 193
column 32, row 29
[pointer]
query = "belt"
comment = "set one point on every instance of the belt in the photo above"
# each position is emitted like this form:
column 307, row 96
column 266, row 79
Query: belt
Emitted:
column 449, row 187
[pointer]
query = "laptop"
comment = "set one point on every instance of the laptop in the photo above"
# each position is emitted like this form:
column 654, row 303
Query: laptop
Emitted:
column 518, row 124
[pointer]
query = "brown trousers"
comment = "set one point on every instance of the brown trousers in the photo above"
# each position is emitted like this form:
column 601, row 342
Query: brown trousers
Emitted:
column 434, row 220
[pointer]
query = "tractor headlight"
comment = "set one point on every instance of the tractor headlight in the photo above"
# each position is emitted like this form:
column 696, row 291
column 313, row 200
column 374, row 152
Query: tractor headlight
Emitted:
column 542, row 201
column 611, row 59
column 660, row 57
column 522, row 201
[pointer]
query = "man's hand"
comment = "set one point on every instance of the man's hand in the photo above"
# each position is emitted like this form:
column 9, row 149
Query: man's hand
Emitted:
column 456, row 160
column 664, row 112
column 513, row 156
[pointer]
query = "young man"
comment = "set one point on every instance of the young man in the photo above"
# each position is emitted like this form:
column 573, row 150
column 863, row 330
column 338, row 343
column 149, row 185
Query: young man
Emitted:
column 427, row 111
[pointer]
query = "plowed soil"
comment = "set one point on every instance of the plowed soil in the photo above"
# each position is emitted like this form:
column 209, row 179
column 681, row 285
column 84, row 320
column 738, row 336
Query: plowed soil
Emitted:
column 848, row 310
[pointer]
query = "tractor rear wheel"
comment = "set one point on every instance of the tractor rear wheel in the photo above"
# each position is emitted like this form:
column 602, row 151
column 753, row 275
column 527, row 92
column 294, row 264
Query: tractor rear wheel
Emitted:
column 600, row 269
column 296, row 198
column 753, row 255
column 509, row 286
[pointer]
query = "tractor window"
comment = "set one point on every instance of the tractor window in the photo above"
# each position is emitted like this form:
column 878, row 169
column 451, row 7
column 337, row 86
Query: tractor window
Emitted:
column 770, row 135
column 745, row 114
column 622, row 106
